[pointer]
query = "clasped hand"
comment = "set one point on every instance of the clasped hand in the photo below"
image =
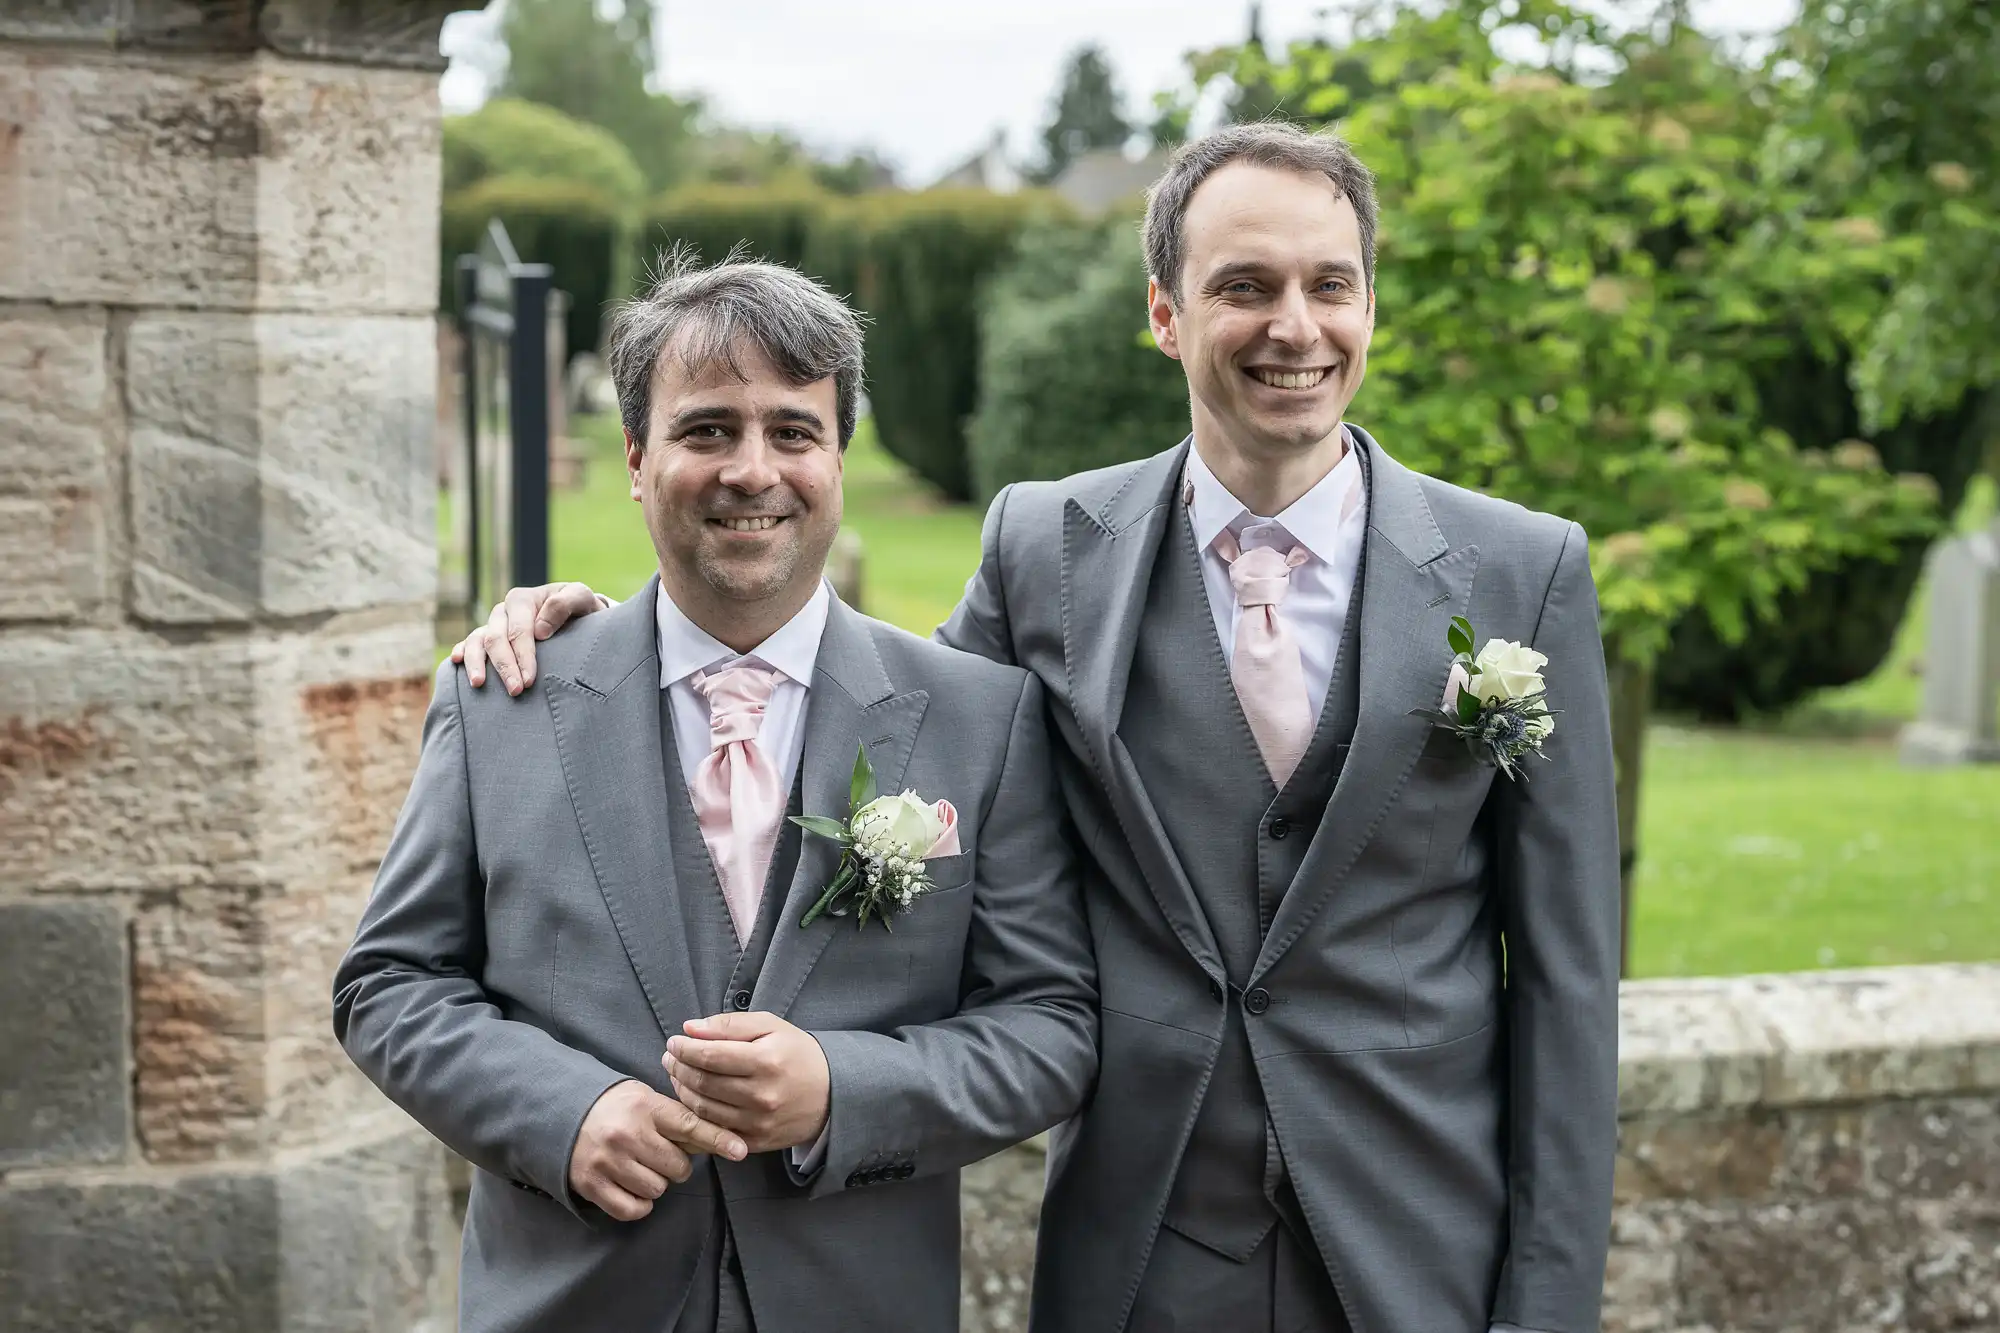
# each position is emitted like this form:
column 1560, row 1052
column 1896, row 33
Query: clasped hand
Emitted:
column 754, row 1074
column 746, row 1083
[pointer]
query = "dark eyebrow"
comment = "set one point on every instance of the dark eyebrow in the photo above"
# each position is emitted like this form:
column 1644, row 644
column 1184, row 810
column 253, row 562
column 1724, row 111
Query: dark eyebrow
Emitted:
column 799, row 416
column 700, row 416
column 1341, row 268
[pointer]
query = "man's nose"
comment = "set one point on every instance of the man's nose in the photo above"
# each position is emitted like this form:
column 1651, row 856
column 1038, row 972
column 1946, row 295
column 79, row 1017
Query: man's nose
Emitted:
column 1292, row 322
column 752, row 466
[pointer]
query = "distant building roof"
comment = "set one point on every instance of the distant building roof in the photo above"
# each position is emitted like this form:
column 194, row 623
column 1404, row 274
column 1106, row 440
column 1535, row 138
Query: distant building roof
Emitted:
column 987, row 169
column 1103, row 178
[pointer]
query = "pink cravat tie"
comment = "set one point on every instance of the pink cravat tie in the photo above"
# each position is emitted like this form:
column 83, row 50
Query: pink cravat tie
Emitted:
column 736, row 792
column 1270, row 680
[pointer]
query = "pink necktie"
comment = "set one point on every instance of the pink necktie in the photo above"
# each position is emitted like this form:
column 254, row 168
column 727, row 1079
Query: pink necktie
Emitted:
column 736, row 792
column 1265, row 668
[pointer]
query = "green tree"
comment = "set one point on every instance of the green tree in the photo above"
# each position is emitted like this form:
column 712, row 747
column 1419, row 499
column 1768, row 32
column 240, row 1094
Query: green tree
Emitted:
column 1899, row 100
column 1088, row 114
column 565, row 54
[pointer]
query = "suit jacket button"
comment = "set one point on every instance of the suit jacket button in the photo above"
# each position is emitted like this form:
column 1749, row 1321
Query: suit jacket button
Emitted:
column 1256, row 1001
column 857, row 1180
column 1214, row 989
column 1280, row 827
column 906, row 1170
column 741, row 999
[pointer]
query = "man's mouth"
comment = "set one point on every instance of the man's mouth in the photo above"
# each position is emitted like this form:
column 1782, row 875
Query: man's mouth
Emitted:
column 759, row 524
column 1290, row 379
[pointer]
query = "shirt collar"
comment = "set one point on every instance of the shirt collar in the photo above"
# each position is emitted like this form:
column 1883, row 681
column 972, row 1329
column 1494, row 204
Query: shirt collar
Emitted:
column 793, row 649
column 1315, row 520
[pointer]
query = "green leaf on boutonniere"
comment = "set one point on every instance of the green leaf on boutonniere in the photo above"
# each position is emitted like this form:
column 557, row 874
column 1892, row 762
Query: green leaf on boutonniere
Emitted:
column 1468, row 705
column 1460, row 635
column 861, row 788
column 820, row 824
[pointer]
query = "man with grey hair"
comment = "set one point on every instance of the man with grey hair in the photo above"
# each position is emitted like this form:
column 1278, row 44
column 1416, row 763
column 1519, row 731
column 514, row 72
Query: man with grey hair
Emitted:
column 1358, row 1046
column 718, row 1070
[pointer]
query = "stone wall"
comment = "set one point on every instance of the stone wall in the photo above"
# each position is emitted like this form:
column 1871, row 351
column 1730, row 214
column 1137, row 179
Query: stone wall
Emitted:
column 217, row 273
column 1813, row 1153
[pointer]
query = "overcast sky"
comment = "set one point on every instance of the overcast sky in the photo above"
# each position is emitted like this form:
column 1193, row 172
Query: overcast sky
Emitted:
column 926, row 82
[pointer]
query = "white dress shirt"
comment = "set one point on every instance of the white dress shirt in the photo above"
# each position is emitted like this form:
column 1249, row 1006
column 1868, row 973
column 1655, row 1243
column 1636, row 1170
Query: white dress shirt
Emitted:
column 1330, row 521
column 793, row 651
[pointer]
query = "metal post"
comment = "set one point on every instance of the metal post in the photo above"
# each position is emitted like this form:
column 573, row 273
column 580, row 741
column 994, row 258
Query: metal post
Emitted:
column 469, row 399
column 528, row 401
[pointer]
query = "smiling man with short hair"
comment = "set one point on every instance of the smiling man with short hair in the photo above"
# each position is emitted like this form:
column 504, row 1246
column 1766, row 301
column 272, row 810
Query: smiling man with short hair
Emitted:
column 596, row 961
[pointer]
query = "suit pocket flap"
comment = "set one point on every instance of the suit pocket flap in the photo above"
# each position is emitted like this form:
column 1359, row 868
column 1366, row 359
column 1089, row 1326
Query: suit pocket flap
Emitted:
column 1443, row 745
column 949, row 872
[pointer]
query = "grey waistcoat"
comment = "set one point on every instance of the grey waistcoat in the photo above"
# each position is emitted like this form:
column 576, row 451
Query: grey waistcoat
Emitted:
column 724, row 977
column 1241, row 841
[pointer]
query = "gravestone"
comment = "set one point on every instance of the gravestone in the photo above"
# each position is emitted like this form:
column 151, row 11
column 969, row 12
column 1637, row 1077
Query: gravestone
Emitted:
column 1956, row 724
column 218, row 274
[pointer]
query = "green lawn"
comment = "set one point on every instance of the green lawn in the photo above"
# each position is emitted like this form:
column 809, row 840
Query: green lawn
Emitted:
column 1759, row 851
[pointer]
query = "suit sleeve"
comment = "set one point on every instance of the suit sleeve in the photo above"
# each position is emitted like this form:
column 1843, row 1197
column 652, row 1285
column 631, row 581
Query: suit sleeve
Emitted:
column 1558, row 879
column 979, row 623
column 1021, row 1053
column 408, row 1005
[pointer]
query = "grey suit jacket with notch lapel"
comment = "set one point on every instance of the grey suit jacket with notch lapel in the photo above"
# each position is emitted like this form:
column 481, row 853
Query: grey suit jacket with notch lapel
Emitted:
column 523, row 951
column 1447, row 1112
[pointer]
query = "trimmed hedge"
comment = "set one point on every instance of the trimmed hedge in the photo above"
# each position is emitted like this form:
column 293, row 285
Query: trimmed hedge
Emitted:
column 921, row 265
column 509, row 137
column 574, row 229
column 1067, row 381
column 773, row 224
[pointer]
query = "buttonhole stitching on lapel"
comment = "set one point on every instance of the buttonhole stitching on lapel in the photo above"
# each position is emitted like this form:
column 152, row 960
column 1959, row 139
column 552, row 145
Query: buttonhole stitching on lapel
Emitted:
column 1438, row 600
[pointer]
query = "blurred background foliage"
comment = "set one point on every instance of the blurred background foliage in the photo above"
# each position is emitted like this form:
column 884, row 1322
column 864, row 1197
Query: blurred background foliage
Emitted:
column 1728, row 305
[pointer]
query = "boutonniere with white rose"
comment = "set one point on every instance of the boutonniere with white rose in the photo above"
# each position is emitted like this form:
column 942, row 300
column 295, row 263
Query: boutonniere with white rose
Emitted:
column 888, row 840
column 1494, row 699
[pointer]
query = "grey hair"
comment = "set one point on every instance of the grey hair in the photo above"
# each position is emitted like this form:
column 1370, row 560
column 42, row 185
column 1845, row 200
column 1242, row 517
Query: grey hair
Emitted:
column 707, row 315
column 1264, row 143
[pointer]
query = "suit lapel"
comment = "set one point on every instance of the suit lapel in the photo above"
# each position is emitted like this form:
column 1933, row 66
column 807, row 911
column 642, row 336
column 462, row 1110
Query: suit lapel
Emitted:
column 1108, row 556
column 852, row 703
column 1413, row 583
column 607, row 725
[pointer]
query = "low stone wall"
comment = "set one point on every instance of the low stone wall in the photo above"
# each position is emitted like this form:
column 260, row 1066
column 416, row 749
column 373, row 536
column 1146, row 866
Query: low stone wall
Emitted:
column 1812, row 1153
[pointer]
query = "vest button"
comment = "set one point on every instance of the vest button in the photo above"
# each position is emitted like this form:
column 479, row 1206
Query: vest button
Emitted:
column 1280, row 827
column 1257, row 1000
column 741, row 1000
column 1214, row 989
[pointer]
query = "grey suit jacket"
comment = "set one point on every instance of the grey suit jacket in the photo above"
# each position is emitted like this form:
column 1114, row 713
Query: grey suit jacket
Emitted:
column 523, row 951
column 1433, row 1014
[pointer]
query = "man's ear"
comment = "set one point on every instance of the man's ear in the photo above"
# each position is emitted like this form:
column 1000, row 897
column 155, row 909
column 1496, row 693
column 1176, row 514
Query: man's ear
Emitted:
column 1160, row 318
column 634, row 455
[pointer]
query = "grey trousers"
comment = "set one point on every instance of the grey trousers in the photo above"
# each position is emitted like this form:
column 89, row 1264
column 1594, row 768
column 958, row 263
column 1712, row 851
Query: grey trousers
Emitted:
column 1281, row 1288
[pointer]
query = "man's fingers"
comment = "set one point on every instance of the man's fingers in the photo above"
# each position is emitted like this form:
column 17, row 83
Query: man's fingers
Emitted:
column 737, row 1058
column 619, row 1204
column 665, row 1157
column 471, row 651
column 561, row 601
column 733, row 1027
column 678, row 1122
column 635, row 1178
column 523, row 604
column 499, row 652
column 737, row 1119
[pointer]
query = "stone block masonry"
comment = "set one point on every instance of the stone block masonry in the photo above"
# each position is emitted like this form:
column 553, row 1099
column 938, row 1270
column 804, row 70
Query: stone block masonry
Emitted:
column 217, row 574
column 1812, row 1153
